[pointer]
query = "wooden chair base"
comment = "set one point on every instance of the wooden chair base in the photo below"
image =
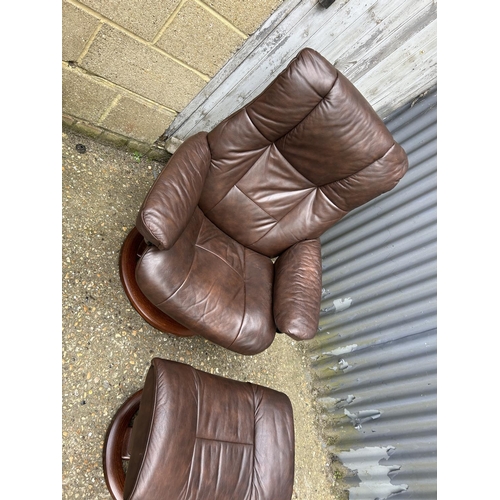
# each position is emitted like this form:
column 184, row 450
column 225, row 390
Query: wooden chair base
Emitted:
column 131, row 250
column 116, row 445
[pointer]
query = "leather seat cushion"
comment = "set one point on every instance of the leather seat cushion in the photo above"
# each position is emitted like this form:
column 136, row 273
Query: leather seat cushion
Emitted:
column 199, row 436
column 213, row 285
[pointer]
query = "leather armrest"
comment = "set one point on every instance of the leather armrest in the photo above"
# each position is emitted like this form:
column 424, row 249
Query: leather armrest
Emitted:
column 172, row 199
column 297, row 290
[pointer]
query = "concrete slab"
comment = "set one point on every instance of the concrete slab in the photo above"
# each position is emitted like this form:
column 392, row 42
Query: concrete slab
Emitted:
column 143, row 18
column 247, row 16
column 199, row 39
column 131, row 118
column 83, row 96
column 139, row 68
column 77, row 28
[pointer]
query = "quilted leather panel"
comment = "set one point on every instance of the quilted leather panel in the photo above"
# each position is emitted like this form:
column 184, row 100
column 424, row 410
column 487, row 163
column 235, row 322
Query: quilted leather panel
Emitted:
column 211, row 284
column 241, row 217
column 235, row 146
column 226, row 249
column 341, row 136
column 292, row 96
column 312, row 215
column 275, row 185
column 381, row 176
column 203, row 437
column 224, row 439
column 236, row 424
column 210, row 458
column 276, row 162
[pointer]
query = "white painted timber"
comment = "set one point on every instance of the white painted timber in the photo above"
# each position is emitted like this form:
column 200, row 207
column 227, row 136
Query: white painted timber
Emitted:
column 387, row 48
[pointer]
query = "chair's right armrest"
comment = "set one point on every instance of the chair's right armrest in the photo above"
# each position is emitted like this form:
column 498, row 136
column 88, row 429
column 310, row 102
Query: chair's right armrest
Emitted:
column 172, row 199
column 297, row 289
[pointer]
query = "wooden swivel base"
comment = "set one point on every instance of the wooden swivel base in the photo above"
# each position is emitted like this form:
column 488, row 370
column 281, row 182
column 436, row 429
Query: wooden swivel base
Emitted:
column 116, row 445
column 131, row 250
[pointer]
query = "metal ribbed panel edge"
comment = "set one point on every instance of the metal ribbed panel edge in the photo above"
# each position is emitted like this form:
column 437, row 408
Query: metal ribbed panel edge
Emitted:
column 374, row 358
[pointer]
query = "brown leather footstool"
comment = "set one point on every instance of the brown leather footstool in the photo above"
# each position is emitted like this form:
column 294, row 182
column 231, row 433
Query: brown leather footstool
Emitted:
column 198, row 436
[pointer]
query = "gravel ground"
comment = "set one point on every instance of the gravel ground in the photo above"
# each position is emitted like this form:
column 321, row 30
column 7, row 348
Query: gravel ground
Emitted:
column 107, row 347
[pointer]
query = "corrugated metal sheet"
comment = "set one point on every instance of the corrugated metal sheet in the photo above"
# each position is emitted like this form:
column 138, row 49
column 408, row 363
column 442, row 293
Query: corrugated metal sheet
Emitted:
column 374, row 356
column 388, row 49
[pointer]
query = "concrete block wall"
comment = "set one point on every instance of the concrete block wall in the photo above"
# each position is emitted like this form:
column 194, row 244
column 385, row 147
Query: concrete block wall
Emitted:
column 129, row 67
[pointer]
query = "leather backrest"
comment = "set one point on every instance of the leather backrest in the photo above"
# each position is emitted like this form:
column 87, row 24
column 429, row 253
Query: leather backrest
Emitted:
column 299, row 157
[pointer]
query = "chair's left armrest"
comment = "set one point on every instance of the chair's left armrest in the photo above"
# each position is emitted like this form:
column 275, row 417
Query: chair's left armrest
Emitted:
column 172, row 199
column 297, row 290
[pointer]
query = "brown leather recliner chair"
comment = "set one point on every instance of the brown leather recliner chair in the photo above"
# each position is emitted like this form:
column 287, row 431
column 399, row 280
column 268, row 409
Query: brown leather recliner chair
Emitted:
column 263, row 184
column 192, row 435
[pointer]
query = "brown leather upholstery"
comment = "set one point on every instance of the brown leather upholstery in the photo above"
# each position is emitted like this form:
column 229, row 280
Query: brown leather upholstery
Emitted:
column 200, row 436
column 264, row 183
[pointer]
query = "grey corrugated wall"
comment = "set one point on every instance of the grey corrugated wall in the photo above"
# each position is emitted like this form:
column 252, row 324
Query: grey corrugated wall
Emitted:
column 374, row 357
